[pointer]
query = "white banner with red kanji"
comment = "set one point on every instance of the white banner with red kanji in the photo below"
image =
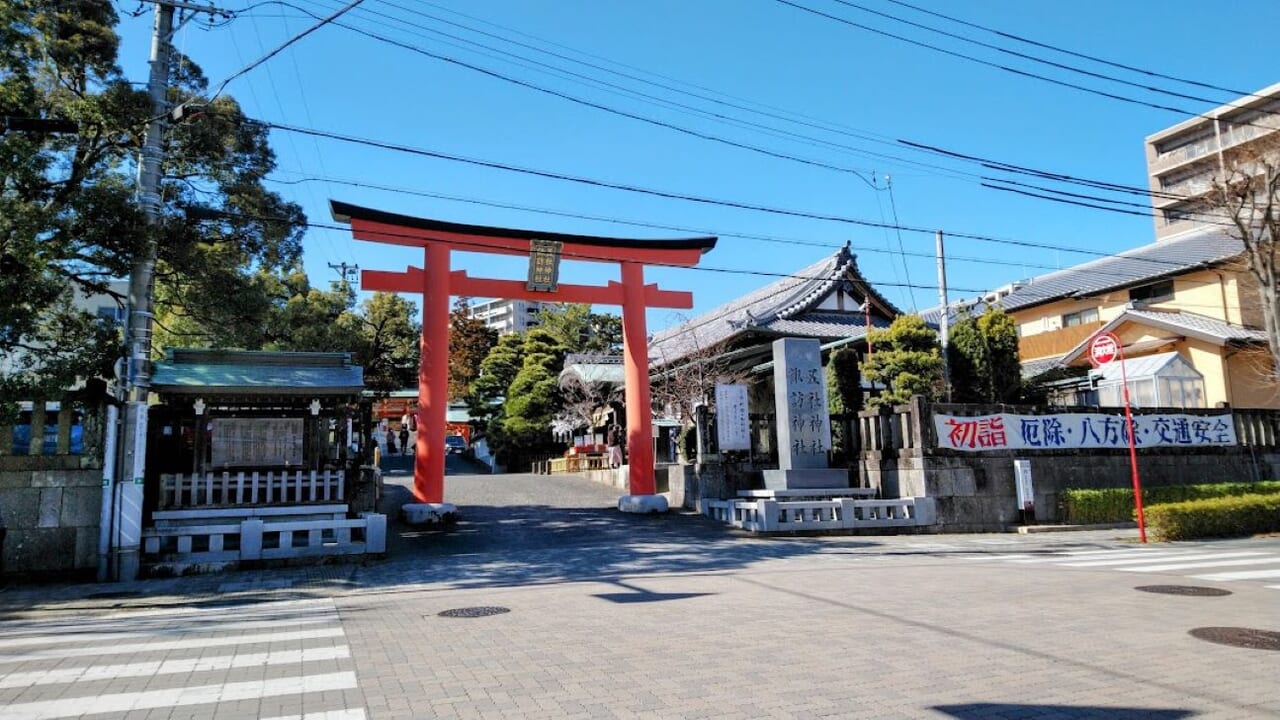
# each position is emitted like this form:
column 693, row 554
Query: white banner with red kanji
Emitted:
column 1080, row 431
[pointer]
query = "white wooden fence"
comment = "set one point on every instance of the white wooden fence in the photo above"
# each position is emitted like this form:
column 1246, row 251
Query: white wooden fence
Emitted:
column 767, row 515
column 252, row 488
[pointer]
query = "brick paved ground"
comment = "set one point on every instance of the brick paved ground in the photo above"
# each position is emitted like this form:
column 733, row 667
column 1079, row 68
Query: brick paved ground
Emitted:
column 621, row 616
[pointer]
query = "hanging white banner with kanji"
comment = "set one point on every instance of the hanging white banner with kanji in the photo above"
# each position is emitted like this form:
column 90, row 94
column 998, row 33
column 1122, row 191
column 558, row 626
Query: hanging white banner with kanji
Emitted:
column 1080, row 431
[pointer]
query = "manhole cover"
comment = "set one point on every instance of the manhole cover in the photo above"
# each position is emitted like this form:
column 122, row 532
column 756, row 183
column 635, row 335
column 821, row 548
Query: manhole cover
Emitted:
column 1240, row 637
column 1190, row 590
column 470, row 612
column 120, row 595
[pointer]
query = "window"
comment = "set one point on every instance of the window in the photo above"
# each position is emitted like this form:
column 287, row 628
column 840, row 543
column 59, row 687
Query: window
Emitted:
column 113, row 314
column 1081, row 317
column 1155, row 292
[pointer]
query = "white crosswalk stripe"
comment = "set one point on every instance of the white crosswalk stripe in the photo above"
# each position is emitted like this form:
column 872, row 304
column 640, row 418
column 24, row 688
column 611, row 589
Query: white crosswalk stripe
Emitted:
column 1199, row 562
column 286, row 655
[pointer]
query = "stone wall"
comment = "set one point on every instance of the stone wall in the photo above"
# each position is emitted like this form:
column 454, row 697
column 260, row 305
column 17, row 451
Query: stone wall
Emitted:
column 975, row 492
column 51, row 507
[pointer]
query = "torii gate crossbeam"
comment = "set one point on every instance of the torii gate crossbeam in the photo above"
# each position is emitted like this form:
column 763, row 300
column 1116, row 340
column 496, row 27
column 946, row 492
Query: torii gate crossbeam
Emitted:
column 438, row 282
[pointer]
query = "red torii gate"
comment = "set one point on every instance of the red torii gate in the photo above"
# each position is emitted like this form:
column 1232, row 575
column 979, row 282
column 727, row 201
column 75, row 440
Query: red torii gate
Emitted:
column 437, row 283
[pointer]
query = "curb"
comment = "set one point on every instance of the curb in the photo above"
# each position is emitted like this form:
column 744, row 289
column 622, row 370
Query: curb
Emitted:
column 1032, row 529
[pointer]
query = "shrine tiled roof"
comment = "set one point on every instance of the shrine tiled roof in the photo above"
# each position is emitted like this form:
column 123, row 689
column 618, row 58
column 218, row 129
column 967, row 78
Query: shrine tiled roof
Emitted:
column 787, row 307
column 256, row 373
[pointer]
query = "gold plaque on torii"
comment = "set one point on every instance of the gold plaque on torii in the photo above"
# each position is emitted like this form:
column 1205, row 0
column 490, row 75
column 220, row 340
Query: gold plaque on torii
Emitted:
column 544, row 265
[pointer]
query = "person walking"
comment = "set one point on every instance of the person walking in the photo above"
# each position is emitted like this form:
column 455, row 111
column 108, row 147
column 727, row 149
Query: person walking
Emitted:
column 404, row 438
column 614, row 440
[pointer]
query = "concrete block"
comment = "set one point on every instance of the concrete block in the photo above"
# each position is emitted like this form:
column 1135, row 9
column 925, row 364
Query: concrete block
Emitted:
column 642, row 504
column 81, row 506
column 375, row 538
column 806, row 478
column 964, row 484
column 251, row 540
column 926, row 511
column 86, row 547
column 21, row 507
column 768, row 514
column 41, row 550
column 50, row 513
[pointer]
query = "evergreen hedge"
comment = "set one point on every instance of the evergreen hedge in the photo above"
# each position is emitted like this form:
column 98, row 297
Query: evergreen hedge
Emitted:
column 1116, row 504
column 1218, row 517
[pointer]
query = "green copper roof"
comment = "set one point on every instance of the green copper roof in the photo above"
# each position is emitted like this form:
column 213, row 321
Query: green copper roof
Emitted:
column 244, row 372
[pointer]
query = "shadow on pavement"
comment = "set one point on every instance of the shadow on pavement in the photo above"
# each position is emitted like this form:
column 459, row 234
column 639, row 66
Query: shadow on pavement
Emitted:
column 1010, row 711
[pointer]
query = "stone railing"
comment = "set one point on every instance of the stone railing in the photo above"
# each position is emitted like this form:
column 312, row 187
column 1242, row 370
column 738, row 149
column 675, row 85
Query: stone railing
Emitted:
column 183, row 539
column 765, row 515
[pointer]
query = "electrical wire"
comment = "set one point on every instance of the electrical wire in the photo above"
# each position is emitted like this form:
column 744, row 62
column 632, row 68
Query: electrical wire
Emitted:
column 669, row 194
column 1027, row 56
column 999, row 66
column 990, row 164
column 1073, row 53
column 280, row 48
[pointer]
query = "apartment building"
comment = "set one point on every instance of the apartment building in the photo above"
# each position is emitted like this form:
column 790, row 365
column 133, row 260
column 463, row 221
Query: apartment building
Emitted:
column 1183, row 161
column 507, row 316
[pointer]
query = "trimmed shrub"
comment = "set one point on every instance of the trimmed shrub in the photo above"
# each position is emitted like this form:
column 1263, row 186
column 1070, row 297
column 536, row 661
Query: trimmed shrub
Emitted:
column 1116, row 504
column 1218, row 517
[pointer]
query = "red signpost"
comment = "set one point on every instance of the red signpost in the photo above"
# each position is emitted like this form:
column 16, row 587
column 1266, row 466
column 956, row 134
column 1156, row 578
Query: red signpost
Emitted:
column 1104, row 348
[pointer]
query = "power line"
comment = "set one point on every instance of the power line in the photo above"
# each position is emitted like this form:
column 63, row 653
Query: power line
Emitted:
column 1006, row 68
column 893, row 205
column 606, row 108
column 697, row 231
column 1026, row 56
column 669, row 194
column 585, row 256
column 980, row 61
column 1073, row 53
column 280, row 48
column 725, row 118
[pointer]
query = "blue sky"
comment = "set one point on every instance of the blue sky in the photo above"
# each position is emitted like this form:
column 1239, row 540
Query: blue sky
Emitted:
column 845, row 86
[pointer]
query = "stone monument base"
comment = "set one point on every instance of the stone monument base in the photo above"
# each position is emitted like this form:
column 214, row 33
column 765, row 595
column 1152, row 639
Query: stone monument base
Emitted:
column 642, row 504
column 429, row 513
column 806, row 478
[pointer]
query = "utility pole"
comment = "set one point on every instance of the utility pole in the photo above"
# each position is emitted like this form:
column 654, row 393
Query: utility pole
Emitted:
column 129, row 490
column 345, row 271
column 127, row 533
column 945, row 320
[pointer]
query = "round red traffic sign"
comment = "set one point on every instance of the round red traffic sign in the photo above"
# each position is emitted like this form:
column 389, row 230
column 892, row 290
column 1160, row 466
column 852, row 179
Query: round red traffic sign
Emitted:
column 1103, row 348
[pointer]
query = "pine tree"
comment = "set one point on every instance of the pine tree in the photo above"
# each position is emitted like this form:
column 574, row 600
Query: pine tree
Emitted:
column 907, row 361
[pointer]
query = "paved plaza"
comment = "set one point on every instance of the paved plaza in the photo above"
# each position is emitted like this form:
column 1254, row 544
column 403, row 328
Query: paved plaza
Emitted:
column 568, row 609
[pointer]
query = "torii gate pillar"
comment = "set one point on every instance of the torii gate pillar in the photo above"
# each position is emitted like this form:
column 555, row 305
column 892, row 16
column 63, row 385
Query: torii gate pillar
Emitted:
column 635, row 351
column 433, row 377
column 437, row 282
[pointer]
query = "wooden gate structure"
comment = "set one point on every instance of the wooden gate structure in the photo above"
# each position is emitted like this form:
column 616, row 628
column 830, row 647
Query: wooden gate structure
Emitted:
column 437, row 282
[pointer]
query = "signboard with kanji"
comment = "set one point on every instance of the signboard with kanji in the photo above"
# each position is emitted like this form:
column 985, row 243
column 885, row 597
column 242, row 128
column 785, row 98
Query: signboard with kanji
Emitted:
column 1079, row 431
column 733, row 423
column 1103, row 349
column 544, row 264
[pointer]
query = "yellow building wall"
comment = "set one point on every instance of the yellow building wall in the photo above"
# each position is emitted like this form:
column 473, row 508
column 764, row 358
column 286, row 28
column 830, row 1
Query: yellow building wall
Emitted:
column 1206, row 358
column 1253, row 380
